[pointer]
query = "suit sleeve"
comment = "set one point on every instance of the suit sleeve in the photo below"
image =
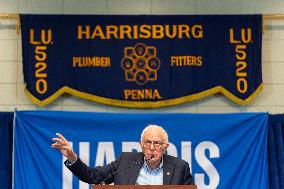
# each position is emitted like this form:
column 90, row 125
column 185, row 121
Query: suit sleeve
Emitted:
column 93, row 175
column 187, row 179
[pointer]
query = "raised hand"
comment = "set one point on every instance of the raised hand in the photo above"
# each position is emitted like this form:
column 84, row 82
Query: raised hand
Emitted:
column 64, row 147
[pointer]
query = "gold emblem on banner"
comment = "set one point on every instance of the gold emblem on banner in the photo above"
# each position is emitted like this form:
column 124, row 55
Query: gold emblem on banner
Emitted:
column 140, row 64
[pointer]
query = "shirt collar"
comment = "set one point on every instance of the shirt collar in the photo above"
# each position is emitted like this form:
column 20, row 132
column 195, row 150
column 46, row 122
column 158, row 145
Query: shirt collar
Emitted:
column 145, row 165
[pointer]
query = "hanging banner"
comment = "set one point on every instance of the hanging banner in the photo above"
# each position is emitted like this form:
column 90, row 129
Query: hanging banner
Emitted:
column 223, row 150
column 144, row 61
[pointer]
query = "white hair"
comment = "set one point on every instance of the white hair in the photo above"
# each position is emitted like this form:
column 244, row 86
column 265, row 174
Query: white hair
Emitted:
column 162, row 131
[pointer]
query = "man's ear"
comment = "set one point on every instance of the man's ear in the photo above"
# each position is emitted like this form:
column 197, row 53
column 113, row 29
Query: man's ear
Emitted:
column 166, row 147
column 141, row 145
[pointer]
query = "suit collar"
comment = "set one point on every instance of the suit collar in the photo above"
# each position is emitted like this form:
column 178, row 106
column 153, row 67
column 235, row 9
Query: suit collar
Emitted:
column 168, row 169
column 134, row 171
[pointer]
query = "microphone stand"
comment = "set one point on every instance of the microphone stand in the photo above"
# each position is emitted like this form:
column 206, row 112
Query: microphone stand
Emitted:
column 124, row 168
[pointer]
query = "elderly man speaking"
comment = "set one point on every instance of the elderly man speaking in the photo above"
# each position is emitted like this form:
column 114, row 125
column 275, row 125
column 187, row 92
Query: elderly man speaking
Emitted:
column 149, row 167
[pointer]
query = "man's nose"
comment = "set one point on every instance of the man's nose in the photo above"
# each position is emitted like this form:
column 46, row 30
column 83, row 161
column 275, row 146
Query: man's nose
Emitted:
column 152, row 146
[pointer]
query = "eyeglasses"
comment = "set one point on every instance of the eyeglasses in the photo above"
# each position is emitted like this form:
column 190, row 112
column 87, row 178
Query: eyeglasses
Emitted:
column 156, row 144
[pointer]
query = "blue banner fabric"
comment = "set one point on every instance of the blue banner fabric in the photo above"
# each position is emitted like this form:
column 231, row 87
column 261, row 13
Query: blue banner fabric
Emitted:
column 6, row 146
column 144, row 61
column 223, row 150
column 276, row 151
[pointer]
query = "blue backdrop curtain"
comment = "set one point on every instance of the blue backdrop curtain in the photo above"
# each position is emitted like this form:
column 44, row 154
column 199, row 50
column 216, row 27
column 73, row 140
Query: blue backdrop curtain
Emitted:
column 276, row 151
column 6, row 144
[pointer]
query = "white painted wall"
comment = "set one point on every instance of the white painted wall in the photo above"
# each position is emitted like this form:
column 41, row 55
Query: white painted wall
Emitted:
column 269, row 100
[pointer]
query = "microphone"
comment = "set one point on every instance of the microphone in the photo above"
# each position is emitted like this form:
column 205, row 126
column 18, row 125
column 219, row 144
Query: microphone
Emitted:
column 124, row 168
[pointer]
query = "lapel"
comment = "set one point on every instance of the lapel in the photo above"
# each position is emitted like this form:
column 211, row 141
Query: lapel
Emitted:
column 134, row 171
column 168, row 170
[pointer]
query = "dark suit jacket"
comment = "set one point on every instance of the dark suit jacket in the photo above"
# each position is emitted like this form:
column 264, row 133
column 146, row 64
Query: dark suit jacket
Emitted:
column 126, row 168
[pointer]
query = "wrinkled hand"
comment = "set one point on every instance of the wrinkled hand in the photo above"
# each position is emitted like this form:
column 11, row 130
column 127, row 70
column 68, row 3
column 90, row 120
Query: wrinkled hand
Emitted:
column 64, row 147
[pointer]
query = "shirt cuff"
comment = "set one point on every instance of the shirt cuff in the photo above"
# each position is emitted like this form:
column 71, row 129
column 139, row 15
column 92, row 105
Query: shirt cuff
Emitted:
column 68, row 162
